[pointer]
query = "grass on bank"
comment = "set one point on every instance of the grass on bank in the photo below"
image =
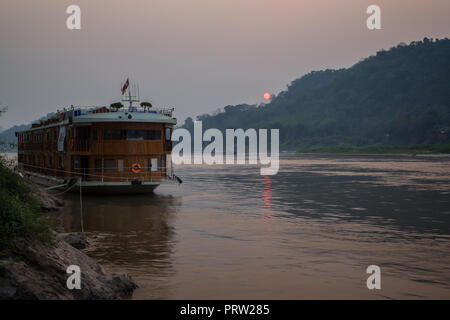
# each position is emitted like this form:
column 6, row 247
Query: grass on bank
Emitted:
column 380, row 149
column 20, row 212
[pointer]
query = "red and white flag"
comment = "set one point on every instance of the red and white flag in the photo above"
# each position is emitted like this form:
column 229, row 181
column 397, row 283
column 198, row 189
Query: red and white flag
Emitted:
column 125, row 86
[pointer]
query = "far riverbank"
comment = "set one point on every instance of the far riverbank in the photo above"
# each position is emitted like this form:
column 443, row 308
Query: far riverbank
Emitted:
column 410, row 150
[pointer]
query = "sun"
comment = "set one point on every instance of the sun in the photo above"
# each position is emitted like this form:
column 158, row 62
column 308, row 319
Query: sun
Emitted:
column 266, row 96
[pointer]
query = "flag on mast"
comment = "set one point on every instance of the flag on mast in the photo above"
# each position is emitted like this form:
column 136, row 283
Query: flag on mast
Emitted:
column 125, row 86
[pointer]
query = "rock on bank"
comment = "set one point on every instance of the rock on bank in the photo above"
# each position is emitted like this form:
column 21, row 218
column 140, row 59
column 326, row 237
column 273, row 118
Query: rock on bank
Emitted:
column 38, row 271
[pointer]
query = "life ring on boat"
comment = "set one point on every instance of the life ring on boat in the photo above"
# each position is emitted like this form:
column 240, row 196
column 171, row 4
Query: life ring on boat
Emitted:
column 136, row 168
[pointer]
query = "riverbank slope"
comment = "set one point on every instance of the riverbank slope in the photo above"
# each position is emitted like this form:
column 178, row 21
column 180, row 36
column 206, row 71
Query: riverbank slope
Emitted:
column 34, row 259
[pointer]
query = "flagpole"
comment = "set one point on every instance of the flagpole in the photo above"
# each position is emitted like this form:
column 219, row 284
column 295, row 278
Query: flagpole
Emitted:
column 129, row 95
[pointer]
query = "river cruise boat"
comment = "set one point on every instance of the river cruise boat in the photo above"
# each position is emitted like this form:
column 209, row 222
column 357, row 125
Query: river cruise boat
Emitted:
column 100, row 149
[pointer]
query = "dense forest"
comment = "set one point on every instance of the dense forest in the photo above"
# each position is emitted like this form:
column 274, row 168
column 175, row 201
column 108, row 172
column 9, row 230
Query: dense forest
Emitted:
column 399, row 97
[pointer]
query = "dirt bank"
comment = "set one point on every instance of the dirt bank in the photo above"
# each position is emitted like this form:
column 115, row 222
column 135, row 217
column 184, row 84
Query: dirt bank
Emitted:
column 37, row 270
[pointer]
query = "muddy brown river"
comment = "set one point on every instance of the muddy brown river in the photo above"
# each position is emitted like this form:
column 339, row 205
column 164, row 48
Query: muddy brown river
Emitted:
column 308, row 232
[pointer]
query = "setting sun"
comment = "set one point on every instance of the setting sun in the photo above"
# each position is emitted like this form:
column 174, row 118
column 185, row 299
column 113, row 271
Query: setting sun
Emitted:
column 266, row 96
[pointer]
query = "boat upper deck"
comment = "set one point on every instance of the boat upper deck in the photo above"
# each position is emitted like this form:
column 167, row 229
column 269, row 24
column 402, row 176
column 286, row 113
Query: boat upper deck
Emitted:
column 84, row 115
column 124, row 116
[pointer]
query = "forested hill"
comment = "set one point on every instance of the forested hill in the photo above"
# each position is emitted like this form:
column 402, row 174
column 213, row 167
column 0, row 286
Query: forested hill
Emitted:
column 396, row 97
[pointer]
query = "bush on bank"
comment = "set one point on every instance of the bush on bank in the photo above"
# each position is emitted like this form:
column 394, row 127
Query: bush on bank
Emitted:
column 20, row 212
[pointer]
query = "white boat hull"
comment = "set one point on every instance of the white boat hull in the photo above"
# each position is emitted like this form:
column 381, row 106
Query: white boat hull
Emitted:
column 93, row 187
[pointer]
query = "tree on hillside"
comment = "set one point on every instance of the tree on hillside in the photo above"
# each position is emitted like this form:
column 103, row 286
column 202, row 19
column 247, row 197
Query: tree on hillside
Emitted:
column 397, row 96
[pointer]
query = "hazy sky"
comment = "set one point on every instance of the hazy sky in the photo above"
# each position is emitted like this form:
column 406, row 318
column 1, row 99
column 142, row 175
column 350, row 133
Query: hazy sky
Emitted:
column 194, row 55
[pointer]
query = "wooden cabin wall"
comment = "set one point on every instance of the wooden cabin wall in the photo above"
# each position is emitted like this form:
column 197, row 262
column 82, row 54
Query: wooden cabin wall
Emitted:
column 37, row 152
column 85, row 148
column 127, row 152
column 84, row 145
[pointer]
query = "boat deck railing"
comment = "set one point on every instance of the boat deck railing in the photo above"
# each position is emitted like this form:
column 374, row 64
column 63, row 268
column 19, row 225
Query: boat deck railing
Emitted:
column 85, row 110
column 105, row 174
column 77, row 111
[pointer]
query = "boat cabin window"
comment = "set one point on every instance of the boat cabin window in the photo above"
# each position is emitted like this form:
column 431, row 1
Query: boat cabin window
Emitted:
column 120, row 165
column 109, row 165
column 153, row 135
column 162, row 161
column 132, row 135
column 148, row 164
column 154, row 164
column 112, row 134
column 82, row 133
column 135, row 134
column 143, row 134
column 98, row 164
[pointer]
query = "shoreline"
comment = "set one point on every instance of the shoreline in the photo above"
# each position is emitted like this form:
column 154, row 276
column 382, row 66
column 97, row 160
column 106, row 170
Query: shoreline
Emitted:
column 410, row 155
column 37, row 270
column 419, row 150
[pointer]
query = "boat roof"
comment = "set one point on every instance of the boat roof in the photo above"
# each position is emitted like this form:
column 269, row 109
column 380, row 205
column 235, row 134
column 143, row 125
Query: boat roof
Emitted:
column 80, row 116
column 124, row 116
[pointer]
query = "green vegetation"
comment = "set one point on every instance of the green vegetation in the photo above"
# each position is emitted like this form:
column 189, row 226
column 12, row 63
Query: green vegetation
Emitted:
column 20, row 212
column 379, row 149
column 399, row 97
column 116, row 105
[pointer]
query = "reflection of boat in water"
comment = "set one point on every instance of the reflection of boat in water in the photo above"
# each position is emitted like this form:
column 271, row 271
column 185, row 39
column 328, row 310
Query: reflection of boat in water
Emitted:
column 101, row 149
column 132, row 234
column 105, row 214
